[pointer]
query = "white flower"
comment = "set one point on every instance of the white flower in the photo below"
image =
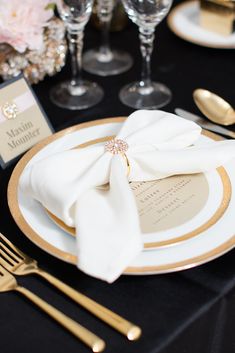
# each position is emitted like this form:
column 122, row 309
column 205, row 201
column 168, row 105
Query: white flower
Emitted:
column 22, row 23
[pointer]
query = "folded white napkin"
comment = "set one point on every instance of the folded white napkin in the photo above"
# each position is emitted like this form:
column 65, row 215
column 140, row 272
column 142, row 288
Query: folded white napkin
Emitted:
column 157, row 144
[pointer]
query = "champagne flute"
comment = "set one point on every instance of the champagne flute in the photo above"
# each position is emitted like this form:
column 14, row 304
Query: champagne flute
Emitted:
column 103, row 60
column 75, row 93
column 147, row 14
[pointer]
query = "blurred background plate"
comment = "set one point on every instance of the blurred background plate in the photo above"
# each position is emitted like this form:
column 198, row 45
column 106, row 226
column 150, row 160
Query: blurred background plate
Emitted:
column 183, row 20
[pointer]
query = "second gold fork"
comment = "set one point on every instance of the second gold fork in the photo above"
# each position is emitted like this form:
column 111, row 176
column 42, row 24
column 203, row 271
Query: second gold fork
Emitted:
column 9, row 283
column 16, row 262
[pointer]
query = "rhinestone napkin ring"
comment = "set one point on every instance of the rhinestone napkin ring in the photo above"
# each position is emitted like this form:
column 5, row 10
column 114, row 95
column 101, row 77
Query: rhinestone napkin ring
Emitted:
column 116, row 146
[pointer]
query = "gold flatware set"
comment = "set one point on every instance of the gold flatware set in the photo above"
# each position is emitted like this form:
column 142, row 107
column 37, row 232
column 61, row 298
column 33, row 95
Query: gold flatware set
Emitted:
column 15, row 262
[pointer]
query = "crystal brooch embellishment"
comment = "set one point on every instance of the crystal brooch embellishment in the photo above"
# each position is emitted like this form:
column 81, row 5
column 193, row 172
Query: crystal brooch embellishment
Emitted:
column 116, row 146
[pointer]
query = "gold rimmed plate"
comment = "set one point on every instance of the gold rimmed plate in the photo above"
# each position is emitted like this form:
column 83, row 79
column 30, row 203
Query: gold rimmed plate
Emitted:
column 184, row 21
column 173, row 209
column 208, row 243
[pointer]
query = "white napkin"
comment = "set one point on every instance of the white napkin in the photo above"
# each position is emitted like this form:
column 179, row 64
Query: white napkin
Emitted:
column 106, row 219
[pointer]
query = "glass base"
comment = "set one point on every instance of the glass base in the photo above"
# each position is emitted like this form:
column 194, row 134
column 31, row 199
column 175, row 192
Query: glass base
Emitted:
column 135, row 96
column 84, row 96
column 112, row 63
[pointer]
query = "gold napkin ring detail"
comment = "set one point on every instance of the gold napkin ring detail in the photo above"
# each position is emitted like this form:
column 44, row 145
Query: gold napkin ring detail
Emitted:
column 118, row 146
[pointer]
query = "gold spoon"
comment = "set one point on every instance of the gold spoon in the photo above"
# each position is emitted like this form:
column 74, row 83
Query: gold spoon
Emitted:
column 214, row 107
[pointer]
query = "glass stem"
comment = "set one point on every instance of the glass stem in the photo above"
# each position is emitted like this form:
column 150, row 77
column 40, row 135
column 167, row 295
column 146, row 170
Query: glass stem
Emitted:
column 105, row 12
column 105, row 45
column 75, row 39
column 146, row 47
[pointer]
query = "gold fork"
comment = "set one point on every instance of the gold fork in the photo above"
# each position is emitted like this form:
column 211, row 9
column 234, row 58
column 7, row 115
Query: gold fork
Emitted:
column 9, row 283
column 16, row 262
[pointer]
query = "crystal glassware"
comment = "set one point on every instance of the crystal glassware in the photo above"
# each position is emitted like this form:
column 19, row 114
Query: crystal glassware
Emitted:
column 147, row 14
column 103, row 60
column 75, row 93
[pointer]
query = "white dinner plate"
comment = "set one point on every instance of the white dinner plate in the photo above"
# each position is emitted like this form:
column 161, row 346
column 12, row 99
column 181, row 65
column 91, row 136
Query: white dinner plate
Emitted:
column 215, row 217
column 183, row 20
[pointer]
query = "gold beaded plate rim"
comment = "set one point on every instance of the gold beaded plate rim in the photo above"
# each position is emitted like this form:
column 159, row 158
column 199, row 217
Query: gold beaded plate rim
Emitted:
column 13, row 203
column 184, row 34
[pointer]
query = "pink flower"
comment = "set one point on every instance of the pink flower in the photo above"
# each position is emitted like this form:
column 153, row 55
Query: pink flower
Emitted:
column 22, row 23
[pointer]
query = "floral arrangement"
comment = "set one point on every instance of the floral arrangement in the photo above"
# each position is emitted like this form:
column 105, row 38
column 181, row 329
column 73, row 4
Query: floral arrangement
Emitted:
column 22, row 23
column 31, row 39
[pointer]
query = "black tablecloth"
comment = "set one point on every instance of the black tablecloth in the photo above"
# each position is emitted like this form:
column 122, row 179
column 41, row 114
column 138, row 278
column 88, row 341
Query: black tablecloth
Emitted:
column 187, row 312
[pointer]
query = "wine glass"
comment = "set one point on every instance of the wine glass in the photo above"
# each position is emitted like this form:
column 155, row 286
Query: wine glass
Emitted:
column 103, row 60
column 147, row 14
column 75, row 93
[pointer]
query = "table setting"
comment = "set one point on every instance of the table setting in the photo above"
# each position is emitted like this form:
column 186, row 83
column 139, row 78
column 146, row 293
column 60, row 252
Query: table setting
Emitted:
column 117, row 226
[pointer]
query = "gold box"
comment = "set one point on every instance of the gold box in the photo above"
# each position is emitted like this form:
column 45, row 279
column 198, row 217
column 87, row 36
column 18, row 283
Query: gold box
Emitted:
column 218, row 16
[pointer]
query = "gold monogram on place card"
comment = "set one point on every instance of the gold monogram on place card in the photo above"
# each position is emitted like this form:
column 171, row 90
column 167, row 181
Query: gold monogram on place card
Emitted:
column 10, row 110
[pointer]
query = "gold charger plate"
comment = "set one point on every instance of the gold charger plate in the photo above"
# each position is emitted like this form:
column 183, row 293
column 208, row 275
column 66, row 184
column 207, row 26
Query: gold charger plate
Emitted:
column 37, row 239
